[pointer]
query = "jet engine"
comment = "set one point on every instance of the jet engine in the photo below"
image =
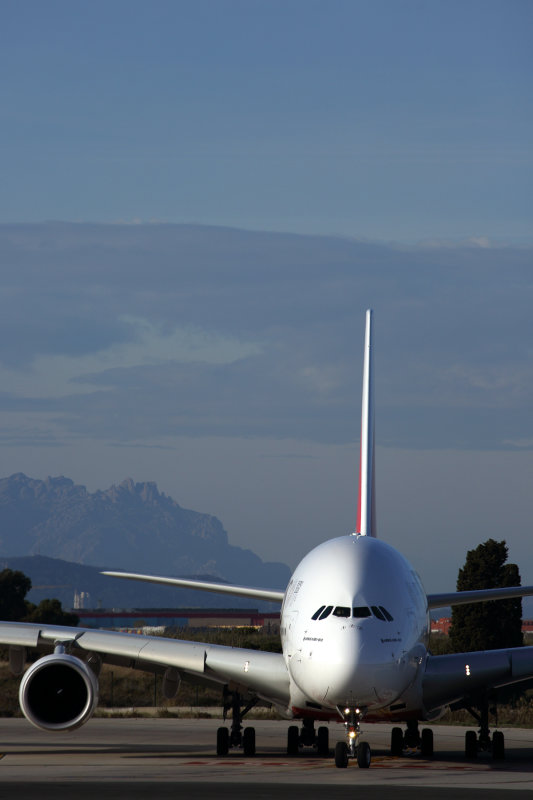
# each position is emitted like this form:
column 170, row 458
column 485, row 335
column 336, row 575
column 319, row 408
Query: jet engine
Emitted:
column 58, row 693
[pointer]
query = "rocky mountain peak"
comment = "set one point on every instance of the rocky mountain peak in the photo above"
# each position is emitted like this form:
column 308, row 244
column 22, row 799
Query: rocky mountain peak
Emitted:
column 130, row 526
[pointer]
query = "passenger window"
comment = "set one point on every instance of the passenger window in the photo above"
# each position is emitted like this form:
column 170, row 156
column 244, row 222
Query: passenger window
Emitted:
column 361, row 611
column 377, row 613
column 341, row 611
column 388, row 616
column 327, row 611
column 318, row 613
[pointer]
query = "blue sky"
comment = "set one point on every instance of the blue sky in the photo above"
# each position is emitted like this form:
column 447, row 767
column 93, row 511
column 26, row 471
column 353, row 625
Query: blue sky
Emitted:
column 199, row 200
column 385, row 120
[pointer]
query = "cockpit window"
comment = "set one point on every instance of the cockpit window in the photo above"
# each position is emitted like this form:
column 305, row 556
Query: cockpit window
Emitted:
column 359, row 612
column 362, row 611
column 341, row 611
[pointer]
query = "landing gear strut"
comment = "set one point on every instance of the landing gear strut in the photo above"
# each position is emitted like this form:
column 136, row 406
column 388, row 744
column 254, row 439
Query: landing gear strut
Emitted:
column 236, row 737
column 483, row 740
column 412, row 739
column 308, row 737
column 352, row 747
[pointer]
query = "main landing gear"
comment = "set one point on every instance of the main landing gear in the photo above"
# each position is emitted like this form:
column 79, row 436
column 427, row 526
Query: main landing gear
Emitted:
column 308, row 737
column 352, row 747
column 236, row 737
column 483, row 740
column 411, row 740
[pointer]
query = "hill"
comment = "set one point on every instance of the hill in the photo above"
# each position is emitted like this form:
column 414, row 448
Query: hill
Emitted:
column 131, row 527
column 53, row 577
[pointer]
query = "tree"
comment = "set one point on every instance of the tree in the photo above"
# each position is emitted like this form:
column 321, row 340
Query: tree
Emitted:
column 14, row 586
column 494, row 624
column 51, row 612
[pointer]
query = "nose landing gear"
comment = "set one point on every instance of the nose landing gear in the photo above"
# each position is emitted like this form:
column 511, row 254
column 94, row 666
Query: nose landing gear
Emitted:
column 353, row 747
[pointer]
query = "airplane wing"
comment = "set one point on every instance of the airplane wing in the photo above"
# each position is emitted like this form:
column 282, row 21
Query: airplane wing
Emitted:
column 451, row 678
column 272, row 595
column 252, row 672
column 478, row 596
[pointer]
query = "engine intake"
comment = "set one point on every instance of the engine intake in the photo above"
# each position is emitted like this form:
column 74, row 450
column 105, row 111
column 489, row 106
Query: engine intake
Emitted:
column 58, row 693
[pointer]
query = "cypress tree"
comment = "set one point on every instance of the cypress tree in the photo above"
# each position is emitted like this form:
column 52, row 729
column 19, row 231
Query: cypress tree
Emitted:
column 494, row 624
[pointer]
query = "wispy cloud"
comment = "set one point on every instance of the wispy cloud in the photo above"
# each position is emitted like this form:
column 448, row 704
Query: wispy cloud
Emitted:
column 134, row 331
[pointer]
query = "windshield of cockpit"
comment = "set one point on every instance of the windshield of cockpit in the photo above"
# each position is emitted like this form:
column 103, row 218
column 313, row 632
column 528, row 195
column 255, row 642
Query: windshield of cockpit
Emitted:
column 357, row 612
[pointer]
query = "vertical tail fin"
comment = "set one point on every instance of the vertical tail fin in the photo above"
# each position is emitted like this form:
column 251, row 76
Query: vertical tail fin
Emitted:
column 366, row 512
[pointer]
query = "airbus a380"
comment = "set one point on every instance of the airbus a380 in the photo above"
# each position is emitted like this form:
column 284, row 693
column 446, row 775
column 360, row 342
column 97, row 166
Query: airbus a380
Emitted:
column 354, row 630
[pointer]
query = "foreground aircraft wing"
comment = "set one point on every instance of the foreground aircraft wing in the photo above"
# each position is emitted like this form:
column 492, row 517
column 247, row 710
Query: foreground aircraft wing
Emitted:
column 257, row 672
column 478, row 596
column 272, row 595
column 459, row 677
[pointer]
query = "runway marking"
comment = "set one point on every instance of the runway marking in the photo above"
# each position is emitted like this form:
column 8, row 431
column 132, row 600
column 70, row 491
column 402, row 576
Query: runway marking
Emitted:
column 377, row 763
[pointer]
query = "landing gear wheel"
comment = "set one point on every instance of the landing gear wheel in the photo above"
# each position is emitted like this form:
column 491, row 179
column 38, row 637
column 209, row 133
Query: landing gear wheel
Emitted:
column 396, row 742
column 411, row 737
column 498, row 746
column 341, row 755
column 248, row 741
column 426, row 743
column 322, row 741
column 293, row 740
column 470, row 744
column 222, row 742
column 363, row 755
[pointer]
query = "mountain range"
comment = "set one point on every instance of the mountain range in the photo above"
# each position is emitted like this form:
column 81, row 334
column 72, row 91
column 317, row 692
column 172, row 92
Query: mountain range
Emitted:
column 130, row 526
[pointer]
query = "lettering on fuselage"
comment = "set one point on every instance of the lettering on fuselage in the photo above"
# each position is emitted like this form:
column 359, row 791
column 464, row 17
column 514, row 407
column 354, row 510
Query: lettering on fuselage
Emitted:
column 291, row 596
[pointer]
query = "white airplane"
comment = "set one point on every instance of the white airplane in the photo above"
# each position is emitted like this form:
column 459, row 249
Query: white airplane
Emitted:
column 354, row 631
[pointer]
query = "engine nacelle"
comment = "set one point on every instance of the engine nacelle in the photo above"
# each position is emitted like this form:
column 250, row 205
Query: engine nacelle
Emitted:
column 58, row 693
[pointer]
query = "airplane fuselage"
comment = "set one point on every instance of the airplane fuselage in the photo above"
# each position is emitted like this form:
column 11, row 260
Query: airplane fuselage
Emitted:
column 354, row 628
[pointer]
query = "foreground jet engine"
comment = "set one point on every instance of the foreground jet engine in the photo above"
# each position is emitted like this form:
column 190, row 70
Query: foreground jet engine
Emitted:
column 58, row 693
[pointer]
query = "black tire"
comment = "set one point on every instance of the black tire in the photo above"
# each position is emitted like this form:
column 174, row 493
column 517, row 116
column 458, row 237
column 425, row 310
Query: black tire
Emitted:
column 426, row 743
column 322, row 741
column 470, row 744
column 222, row 742
column 248, row 741
column 341, row 755
column 498, row 746
column 364, row 755
column 293, row 740
column 396, row 742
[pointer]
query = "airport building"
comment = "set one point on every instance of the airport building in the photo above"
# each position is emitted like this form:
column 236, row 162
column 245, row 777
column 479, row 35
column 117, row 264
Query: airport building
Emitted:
column 178, row 618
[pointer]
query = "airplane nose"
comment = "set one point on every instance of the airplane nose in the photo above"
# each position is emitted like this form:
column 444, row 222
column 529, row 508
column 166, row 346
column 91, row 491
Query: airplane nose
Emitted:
column 352, row 675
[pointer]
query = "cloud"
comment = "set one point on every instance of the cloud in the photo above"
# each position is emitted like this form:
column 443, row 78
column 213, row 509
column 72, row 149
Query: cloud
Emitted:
column 57, row 375
column 132, row 332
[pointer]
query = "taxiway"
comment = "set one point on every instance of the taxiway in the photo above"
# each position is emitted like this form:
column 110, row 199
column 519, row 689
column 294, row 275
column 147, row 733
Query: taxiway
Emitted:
column 160, row 758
